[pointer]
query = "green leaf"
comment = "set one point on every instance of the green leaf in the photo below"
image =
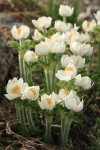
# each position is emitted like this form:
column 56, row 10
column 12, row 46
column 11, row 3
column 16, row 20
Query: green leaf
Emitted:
column 69, row 85
column 28, row 44
column 51, row 31
column 98, row 37
column 97, row 28
column 14, row 44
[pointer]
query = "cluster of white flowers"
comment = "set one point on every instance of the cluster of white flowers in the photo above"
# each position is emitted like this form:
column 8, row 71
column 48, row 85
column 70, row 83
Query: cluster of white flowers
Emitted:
column 17, row 88
column 88, row 26
column 63, row 53
column 66, row 35
column 70, row 100
column 49, row 46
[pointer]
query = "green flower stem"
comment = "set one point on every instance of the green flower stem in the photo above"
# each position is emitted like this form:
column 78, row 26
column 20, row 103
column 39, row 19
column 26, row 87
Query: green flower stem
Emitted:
column 29, row 74
column 21, row 116
column 48, row 129
column 90, row 63
column 50, row 75
column 54, row 79
column 65, row 19
column 21, row 63
column 63, row 118
column 66, row 132
column 30, row 120
column 47, row 77
column 45, row 32
column 66, row 122
column 99, row 57
column 17, row 111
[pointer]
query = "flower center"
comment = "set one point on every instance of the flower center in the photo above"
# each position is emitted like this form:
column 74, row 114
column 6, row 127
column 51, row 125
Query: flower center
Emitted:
column 88, row 23
column 49, row 100
column 70, row 37
column 68, row 69
column 19, row 30
column 33, row 91
column 66, row 91
column 50, row 37
column 33, row 54
column 16, row 90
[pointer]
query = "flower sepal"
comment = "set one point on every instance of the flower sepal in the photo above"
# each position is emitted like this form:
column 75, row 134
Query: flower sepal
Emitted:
column 68, row 85
column 51, row 31
column 27, row 44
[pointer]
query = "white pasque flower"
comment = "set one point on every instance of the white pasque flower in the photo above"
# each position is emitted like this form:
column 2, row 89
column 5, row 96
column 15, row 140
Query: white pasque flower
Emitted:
column 85, row 37
column 42, row 22
column 67, row 74
column 73, row 102
column 37, row 35
column 57, row 37
column 62, row 26
column 77, row 61
column 56, row 98
column 15, row 88
column 30, row 57
column 43, row 48
column 65, row 10
column 63, row 93
column 81, row 49
column 97, row 16
column 47, row 102
column 31, row 93
column 84, row 82
column 58, row 47
column 20, row 33
column 75, row 27
column 72, row 36
column 88, row 26
column 61, row 96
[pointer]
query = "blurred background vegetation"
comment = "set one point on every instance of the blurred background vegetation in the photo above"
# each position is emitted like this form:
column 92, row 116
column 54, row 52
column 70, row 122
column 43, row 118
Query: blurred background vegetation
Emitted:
column 32, row 9
column 23, row 11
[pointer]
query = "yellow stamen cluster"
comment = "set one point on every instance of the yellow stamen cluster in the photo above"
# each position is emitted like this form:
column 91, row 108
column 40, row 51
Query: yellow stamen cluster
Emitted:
column 19, row 30
column 66, row 91
column 33, row 91
column 68, row 69
column 16, row 90
column 70, row 37
column 33, row 54
column 49, row 100
column 88, row 23
column 50, row 37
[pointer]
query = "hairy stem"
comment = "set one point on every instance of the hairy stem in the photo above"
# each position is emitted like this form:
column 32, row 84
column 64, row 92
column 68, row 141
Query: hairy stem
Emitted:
column 21, row 63
column 21, row 116
column 29, row 74
column 65, row 19
column 48, row 129
column 66, row 122
column 30, row 120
